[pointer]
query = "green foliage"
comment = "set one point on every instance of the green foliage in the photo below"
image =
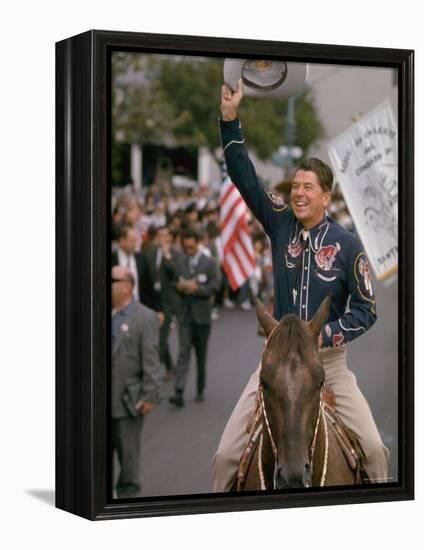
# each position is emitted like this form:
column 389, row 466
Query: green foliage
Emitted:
column 115, row 164
column 192, row 88
column 264, row 122
column 174, row 101
column 308, row 126
column 140, row 113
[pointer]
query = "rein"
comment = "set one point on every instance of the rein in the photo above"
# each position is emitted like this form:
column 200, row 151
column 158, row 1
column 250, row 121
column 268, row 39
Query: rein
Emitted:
column 321, row 415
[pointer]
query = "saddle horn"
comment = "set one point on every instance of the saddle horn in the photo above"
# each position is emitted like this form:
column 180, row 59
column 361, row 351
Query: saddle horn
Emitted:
column 266, row 320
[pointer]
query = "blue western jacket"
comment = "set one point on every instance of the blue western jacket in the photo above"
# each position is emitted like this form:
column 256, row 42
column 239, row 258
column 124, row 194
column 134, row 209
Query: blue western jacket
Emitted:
column 307, row 265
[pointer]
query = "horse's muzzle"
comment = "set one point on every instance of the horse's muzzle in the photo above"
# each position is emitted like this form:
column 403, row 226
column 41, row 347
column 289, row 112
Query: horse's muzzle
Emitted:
column 293, row 478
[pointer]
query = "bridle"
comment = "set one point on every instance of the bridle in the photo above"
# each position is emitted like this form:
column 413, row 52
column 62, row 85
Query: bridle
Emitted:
column 321, row 415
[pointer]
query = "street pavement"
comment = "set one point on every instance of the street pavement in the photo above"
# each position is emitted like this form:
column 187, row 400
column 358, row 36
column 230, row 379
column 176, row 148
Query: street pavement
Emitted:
column 178, row 444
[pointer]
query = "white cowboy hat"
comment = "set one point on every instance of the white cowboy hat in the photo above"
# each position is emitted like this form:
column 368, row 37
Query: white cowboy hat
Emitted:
column 266, row 78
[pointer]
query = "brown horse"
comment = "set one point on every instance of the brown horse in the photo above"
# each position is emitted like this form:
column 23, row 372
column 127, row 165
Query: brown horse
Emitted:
column 295, row 438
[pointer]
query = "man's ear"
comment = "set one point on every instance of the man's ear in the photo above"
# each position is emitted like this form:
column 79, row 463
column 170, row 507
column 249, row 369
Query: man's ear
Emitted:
column 327, row 199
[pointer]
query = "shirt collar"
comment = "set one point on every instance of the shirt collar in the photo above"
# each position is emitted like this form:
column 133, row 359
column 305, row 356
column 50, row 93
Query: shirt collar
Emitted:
column 194, row 260
column 316, row 233
column 318, row 228
column 121, row 251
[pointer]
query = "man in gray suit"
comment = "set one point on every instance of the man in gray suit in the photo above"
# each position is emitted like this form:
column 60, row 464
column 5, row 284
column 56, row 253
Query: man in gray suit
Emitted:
column 197, row 282
column 135, row 377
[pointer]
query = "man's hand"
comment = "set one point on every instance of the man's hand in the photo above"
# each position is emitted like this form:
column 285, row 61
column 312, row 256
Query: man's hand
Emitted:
column 230, row 101
column 182, row 284
column 144, row 407
column 188, row 286
column 192, row 286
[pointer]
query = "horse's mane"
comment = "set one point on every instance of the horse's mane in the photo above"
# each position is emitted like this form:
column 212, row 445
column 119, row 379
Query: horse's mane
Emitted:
column 290, row 335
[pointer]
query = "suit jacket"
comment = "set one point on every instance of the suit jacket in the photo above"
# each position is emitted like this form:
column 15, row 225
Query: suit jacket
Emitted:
column 158, row 288
column 197, row 307
column 135, row 358
column 141, row 267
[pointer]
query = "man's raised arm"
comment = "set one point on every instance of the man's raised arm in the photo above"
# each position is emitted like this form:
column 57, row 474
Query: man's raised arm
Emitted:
column 264, row 205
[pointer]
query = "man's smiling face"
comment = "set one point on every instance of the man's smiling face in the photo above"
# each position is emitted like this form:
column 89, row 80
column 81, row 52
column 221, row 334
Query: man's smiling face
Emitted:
column 308, row 199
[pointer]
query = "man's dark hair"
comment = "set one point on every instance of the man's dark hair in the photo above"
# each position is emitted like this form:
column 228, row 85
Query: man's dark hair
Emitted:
column 175, row 233
column 123, row 231
column 151, row 231
column 322, row 171
column 190, row 233
column 212, row 230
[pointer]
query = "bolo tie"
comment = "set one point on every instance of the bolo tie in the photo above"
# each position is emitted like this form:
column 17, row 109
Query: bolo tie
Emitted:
column 299, row 268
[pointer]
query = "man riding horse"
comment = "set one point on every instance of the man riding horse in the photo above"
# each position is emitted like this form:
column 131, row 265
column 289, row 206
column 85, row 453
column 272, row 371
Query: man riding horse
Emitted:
column 313, row 257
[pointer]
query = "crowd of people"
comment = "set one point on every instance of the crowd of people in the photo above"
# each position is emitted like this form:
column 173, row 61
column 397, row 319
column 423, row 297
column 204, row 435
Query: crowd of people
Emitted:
column 146, row 214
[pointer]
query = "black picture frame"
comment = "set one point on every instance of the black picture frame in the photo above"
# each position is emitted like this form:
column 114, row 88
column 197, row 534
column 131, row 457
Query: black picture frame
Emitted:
column 82, row 265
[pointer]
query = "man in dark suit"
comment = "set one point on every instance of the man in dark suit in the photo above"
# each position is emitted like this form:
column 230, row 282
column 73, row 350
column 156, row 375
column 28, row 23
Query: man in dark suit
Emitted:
column 197, row 282
column 159, row 288
column 135, row 377
column 127, row 256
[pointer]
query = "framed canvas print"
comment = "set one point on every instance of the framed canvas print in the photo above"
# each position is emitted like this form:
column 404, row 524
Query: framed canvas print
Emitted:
column 234, row 270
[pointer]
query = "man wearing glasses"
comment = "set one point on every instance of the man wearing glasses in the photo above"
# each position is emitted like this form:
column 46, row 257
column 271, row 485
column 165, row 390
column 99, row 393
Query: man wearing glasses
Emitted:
column 135, row 377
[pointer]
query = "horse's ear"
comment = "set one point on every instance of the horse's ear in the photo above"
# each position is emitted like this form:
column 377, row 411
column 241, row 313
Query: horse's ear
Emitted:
column 267, row 321
column 320, row 317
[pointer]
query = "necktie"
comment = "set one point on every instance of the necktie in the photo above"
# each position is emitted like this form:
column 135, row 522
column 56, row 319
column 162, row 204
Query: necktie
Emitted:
column 299, row 267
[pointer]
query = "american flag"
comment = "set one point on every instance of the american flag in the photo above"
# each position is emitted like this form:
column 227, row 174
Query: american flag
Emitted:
column 238, row 258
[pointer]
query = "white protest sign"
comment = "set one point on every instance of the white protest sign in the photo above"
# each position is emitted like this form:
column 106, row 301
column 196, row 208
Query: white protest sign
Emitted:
column 365, row 162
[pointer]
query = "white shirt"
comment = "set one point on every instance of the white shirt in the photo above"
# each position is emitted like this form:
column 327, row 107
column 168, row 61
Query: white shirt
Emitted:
column 194, row 260
column 128, row 260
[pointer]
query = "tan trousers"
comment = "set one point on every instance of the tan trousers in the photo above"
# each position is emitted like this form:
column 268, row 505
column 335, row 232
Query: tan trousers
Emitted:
column 351, row 406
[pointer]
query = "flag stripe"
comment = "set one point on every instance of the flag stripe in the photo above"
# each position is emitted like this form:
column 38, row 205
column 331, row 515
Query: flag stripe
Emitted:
column 227, row 189
column 230, row 233
column 239, row 262
column 236, row 209
column 235, row 242
column 234, row 270
column 242, row 258
column 246, row 244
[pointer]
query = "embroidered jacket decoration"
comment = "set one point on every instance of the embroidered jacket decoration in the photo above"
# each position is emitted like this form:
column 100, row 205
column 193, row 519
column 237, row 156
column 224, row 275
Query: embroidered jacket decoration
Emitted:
column 307, row 265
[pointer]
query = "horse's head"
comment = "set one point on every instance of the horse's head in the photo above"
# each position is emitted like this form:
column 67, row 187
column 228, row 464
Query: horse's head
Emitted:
column 291, row 379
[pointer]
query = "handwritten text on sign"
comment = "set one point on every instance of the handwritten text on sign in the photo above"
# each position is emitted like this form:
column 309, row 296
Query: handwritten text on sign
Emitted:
column 365, row 162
